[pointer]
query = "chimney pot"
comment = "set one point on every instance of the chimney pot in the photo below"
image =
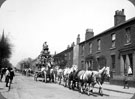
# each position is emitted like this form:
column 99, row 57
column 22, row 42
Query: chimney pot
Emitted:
column 119, row 17
column 78, row 39
column 89, row 34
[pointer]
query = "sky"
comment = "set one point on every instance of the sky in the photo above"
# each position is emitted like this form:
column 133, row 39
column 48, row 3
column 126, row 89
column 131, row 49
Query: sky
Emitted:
column 29, row 23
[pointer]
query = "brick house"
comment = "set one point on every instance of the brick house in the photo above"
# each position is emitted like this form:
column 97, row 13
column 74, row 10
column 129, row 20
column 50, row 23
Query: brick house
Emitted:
column 115, row 47
column 64, row 58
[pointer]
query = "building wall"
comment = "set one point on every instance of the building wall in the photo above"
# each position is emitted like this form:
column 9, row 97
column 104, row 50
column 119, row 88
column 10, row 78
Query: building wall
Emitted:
column 64, row 58
column 75, row 55
column 106, row 47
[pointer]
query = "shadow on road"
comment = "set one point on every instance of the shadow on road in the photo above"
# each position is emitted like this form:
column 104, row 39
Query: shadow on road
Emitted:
column 95, row 94
column 1, row 88
column 1, row 97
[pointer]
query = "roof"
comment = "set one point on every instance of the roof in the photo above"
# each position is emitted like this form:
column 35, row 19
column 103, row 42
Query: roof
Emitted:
column 110, row 29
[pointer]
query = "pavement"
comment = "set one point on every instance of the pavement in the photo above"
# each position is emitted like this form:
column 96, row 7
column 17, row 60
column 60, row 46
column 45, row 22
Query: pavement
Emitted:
column 118, row 88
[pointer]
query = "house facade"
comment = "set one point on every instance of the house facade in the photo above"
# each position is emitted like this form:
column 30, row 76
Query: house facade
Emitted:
column 65, row 58
column 115, row 47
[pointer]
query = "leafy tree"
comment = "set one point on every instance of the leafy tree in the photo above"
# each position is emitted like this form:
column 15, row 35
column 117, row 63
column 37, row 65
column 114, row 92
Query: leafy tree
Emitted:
column 5, row 49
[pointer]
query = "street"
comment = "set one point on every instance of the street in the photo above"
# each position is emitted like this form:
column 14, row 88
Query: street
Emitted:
column 26, row 88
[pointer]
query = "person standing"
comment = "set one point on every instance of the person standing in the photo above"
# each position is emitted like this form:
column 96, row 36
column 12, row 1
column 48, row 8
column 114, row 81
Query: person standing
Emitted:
column 2, row 73
column 126, row 81
column 7, row 76
column 11, row 75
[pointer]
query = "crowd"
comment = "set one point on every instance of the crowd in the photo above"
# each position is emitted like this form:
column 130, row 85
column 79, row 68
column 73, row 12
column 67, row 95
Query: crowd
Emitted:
column 9, row 75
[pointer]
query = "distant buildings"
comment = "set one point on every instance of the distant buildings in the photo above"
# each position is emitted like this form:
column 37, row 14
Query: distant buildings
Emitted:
column 115, row 47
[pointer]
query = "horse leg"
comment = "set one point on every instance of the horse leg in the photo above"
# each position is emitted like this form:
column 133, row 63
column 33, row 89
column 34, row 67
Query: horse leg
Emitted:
column 100, row 89
column 54, row 78
column 92, row 87
column 58, row 79
column 65, row 82
column 45, row 76
column 81, row 87
column 88, row 88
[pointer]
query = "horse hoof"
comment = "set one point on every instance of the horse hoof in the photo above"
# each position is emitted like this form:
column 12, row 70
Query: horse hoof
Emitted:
column 91, row 91
column 88, row 93
column 101, row 93
column 81, row 91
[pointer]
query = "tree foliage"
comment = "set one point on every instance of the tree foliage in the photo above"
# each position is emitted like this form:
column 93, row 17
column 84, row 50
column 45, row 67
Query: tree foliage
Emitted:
column 25, row 64
column 5, row 48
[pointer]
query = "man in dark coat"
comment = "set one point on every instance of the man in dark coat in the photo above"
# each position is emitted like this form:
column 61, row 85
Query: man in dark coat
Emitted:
column 12, row 75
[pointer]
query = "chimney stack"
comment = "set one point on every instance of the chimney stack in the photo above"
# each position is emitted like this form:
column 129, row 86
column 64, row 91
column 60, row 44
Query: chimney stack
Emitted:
column 89, row 34
column 68, row 46
column 73, row 44
column 119, row 17
column 78, row 39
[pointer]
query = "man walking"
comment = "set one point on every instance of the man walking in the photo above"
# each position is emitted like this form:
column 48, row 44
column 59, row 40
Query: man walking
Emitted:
column 126, row 81
column 7, row 76
column 11, row 75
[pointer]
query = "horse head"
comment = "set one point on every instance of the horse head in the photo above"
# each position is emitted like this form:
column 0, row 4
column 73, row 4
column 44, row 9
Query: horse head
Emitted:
column 75, row 67
column 106, row 73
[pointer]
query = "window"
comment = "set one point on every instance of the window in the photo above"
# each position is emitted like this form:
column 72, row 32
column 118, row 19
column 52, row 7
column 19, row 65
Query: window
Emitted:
column 128, row 64
column 69, row 55
column 90, row 48
column 82, row 50
column 113, row 40
column 98, row 62
column 99, row 45
column 128, row 35
column 113, row 61
column 82, row 64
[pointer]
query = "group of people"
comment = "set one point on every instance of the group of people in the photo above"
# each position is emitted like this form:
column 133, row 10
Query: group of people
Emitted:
column 9, row 75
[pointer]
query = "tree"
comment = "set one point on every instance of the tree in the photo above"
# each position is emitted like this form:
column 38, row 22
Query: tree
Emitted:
column 5, row 49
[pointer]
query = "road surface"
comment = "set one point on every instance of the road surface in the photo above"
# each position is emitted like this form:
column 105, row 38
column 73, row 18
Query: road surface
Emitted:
column 26, row 88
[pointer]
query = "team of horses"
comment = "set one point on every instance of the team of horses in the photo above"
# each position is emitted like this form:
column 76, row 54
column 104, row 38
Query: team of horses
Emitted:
column 83, row 80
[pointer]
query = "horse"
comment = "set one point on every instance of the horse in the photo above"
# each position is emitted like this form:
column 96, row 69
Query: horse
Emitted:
column 77, row 78
column 87, row 78
column 60, row 75
column 67, row 75
column 99, row 78
column 52, row 75
column 47, row 72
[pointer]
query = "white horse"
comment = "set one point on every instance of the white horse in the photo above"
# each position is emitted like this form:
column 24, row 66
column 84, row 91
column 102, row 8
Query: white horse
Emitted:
column 67, row 72
column 88, row 78
column 60, row 75
column 99, row 78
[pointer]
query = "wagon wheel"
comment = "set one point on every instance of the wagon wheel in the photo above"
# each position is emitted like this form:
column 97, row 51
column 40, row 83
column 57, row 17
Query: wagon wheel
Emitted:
column 45, row 77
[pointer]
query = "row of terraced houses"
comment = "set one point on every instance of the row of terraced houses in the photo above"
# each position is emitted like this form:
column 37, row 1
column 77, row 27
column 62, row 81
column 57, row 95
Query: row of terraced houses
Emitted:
column 114, row 47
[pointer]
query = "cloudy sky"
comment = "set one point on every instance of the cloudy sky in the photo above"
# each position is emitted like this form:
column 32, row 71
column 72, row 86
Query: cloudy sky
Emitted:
column 29, row 23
